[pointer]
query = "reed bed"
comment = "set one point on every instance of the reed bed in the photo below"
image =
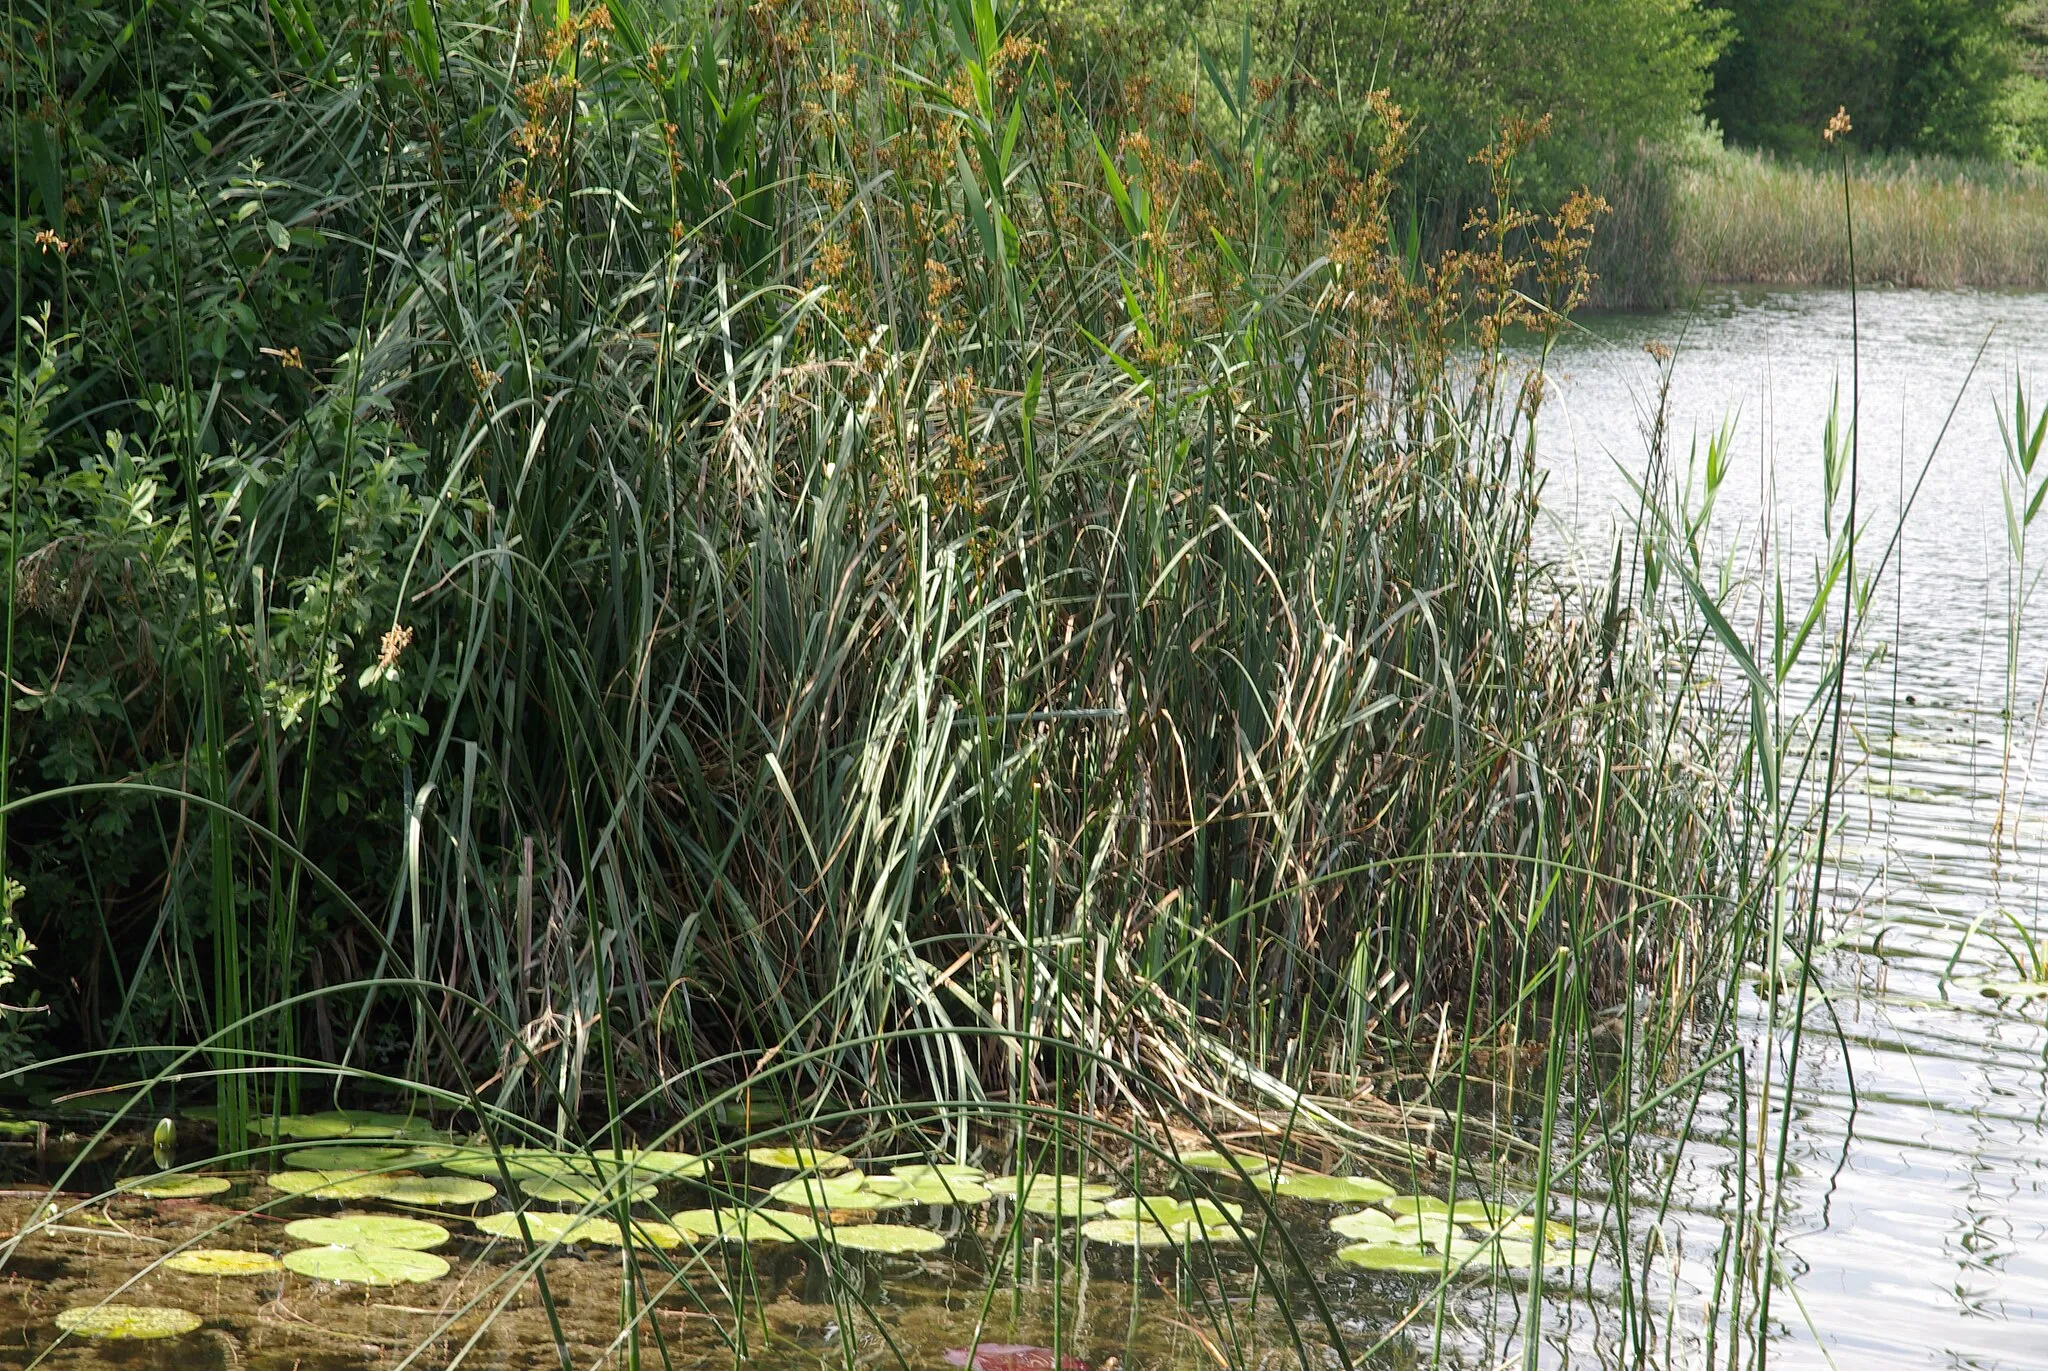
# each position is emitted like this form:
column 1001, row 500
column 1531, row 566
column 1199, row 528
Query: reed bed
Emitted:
column 1753, row 218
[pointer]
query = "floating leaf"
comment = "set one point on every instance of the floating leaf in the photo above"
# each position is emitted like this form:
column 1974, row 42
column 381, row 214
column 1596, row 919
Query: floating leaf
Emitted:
column 1013, row 1356
column 887, row 1237
column 1524, row 1229
column 655, row 1162
column 369, row 1230
column 585, row 1191
column 1168, row 1210
column 2013, row 990
column 128, row 1321
column 331, row 1185
column 746, row 1225
column 1332, row 1189
column 1417, row 1204
column 366, row 1265
column 1434, row 1229
column 1250, row 1165
column 344, row 1123
column 543, row 1226
column 798, row 1159
column 1031, row 1186
column 439, row 1190
column 942, row 1171
column 521, row 1163
column 1375, row 1256
column 354, row 1157
column 177, row 1187
column 941, row 1190
column 219, row 1261
column 1056, row 1203
column 1133, row 1233
column 849, row 1190
column 645, row 1234
column 1368, row 1225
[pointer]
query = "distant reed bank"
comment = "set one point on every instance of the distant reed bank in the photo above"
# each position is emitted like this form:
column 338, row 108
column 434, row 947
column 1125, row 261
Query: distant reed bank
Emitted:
column 1747, row 218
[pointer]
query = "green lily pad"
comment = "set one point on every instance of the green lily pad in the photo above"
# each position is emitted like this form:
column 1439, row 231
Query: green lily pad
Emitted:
column 128, row 1321
column 1556, row 1232
column 369, row 1230
column 1367, row 1225
column 1055, row 1203
column 584, row 1191
column 439, row 1191
column 521, row 1163
column 798, row 1159
column 545, row 1227
column 1375, row 1256
column 218, row 1261
column 655, row 1162
column 1168, row 1210
column 887, row 1237
column 345, row 1123
column 354, row 1157
column 1434, row 1229
column 1025, row 1188
column 747, row 1225
column 1417, row 1204
column 177, row 1187
column 1250, row 1165
column 849, row 1190
column 1143, row 1233
column 366, row 1265
column 942, row 1190
column 1332, row 1189
column 646, row 1233
column 941, row 1171
column 331, row 1185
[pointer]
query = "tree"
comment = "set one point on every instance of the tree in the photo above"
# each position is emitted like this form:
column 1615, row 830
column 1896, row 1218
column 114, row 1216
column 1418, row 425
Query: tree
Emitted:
column 1915, row 75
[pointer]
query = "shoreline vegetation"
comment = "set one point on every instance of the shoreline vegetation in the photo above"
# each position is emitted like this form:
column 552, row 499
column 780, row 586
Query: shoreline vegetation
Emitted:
column 1753, row 218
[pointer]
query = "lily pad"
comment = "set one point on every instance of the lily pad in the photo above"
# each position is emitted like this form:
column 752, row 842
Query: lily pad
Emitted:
column 942, row 1171
column 177, row 1187
column 369, row 1230
column 646, row 1233
column 1417, row 1204
column 366, row 1265
column 1374, row 1256
column 585, row 1191
column 941, row 1190
column 1367, row 1225
column 1142, row 1233
column 354, row 1157
column 128, row 1321
column 747, row 1225
column 654, row 1162
column 545, row 1227
column 849, row 1190
column 798, row 1159
column 331, row 1185
column 218, row 1261
column 1248, row 1164
column 439, row 1191
column 1524, row 1228
column 346, row 1123
column 1055, row 1203
column 887, row 1237
column 1040, row 1184
column 1332, row 1189
column 521, row 1163
column 2013, row 990
column 1168, row 1210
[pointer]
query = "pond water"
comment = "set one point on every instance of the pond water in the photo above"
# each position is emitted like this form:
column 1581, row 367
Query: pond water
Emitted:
column 1915, row 1213
column 1916, row 1200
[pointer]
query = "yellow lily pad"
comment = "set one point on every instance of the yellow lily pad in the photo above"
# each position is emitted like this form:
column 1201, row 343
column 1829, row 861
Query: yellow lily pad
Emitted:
column 220, row 1261
column 177, row 1187
column 369, row 1230
column 128, row 1321
column 367, row 1265
column 331, row 1185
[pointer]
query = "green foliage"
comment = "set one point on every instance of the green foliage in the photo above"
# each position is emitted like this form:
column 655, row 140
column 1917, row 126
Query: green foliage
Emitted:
column 1915, row 75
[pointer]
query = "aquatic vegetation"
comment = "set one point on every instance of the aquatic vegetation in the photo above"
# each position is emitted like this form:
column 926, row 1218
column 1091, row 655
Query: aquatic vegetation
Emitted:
column 542, row 1225
column 748, row 1225
column 344, row 1123
column 798, row 1159
column 438, row 1191
column 886, row 1237
column 177, row 1187
column 222, row 1261
column 948, row 1171
column 128, row 1321
column 574, row 1189
column 355, row 1157
column 1250, row 1165
column 1391, row 1257
column 1368, row 1225
column 653, row 1162
column 1171, row 1209
column 1304, row 1185
column 366, row 1265
column 645, row 1233
column 332, row 1185
column 369, row 1230
column 520, row 1163
column 1048, row 1186
column 1416, row 1204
